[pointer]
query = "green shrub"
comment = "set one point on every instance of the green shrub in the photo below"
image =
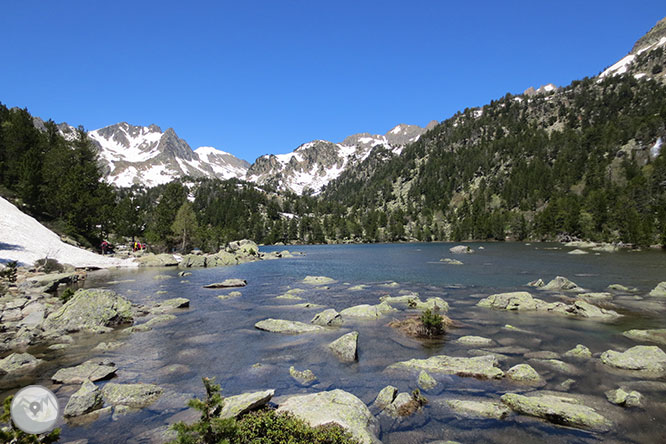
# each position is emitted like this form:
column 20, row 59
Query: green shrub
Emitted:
column 9, row 434
column 49, row 265
column 260, row 427
column 9, row 272
column 67, row 295
column 432, row 323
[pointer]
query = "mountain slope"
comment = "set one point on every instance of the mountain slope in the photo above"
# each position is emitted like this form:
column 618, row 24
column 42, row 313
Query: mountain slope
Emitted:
column 581, row 161
column 314, row 164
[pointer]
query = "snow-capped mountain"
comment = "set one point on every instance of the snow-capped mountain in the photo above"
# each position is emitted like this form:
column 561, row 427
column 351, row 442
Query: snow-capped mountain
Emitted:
column 145, row 155
column 314, row 164
column 643, row 60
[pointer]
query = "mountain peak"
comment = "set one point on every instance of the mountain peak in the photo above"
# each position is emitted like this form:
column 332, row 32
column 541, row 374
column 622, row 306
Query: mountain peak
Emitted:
column 654, row 35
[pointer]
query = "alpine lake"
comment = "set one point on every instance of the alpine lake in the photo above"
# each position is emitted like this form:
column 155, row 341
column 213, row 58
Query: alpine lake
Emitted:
column 216, row 337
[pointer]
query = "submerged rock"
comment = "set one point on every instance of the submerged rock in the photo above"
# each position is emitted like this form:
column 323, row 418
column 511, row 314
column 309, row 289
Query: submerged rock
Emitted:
column 483, row 367
column 557, row 409
column 230, row 295
column 482, row 409
column 642, row 358
column 335, row 406
column 235, row 406
column 228, row 283
column 170, row 304
column 318, row 280
column 91, row 309
column 659, row 291
column 580, row 351
column 131, row 395
column 475, row 341
column 345, row 347
column 365, row 311
column 557, row 366
column 85, row 400
column 327, row 318
column 622, row 398
column 93, row 370
column 657, row 335
column 425, row 381
column 305, row 377
column 287, row 327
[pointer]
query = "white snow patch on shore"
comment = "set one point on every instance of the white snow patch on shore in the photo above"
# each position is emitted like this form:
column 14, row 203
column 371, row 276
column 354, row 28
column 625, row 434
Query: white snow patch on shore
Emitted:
column 24, row 239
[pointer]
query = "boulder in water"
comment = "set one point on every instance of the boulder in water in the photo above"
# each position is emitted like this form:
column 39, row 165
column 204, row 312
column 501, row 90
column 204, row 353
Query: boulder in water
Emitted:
column 90, row 309
column 228, row 283
column 327, row 318
column 93, row 370
column 287, row 327
column 335, row 406
column 345, row 347
column 648, row 359
column 482, row 367
column 461, row 249
column 85, row 400
column 557, row 409
column 659, row 291
column 238, row 405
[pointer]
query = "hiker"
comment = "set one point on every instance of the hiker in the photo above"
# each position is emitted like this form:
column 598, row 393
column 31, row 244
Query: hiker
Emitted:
column 105, row 245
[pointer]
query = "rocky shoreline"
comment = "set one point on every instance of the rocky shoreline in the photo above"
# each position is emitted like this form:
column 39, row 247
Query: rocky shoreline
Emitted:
column 32, row 315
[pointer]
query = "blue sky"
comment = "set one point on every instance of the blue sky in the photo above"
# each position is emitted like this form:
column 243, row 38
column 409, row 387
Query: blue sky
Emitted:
column 261, row 77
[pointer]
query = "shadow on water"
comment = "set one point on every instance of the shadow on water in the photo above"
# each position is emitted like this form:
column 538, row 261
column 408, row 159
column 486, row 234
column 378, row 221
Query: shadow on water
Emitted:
column 217, row 337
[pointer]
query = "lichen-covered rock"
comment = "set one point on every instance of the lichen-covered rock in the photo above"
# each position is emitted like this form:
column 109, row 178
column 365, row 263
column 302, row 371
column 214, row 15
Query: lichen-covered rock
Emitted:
column 475, row 341
column 598, row 297
column 131, row 395
column 85, row 400
column 365, row 311
column 193, row 261
column 517, row 300
column 157, row 260
column 482, row 409
column 584, row 309
column 385, row 397
column 335, row 406
column 228, row 283
column 50, row 282
column 18, row 362
column 93, row 370
column 170, row 305
column 327, row 318
column 404, row 404
column 659, row 291
column 220, row 259
column 623, row 398
column 345, row 347
column 525, row 374
column 90, row 309
column 647, row 359
column 318, row 280
column 449, row 261
column 557, row 409
column 561, row 283
column 287, row 327
column 461, row 249
column 235, row 406
column 434, row 303
column 657, row 335
column 537, row 283
column 557, row 366
column 483, row 367
column 303, row 377
column 579, row 351
column 425, row 381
